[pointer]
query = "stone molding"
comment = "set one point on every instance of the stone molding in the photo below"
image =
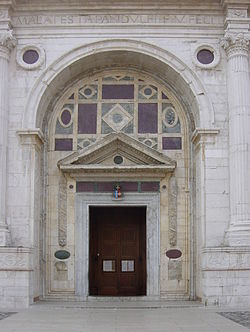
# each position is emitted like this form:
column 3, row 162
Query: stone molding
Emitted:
column 235, row 44
column 211, row 48
column 152, row 202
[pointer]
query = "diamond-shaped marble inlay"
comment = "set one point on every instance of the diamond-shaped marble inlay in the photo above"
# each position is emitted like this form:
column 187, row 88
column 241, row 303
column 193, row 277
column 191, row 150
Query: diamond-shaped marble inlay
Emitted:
column 87, row 91
column 148, row 91
column 117, row 117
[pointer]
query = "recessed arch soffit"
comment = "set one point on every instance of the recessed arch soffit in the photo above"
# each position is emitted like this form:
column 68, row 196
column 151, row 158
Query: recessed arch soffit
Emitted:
column 91, row 58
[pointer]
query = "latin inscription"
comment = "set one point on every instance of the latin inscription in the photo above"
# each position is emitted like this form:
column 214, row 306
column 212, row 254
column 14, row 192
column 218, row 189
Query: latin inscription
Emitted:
column 116, row 19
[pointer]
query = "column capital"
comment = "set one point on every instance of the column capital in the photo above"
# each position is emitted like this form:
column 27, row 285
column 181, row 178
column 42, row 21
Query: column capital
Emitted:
column 7, row 39
column 235, row 44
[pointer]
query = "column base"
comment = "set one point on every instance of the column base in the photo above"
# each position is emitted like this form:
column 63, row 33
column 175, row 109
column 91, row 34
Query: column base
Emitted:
column 238, row 235
column 4, row 236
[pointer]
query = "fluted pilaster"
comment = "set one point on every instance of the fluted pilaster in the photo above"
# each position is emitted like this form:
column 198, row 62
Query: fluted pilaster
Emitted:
column 7, row 42
column 236, row 47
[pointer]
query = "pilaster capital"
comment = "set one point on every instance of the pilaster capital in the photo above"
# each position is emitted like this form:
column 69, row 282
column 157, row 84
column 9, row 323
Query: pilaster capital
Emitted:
column 204, row 136
column 235, row 44
column 32, row 137
column 7, row 39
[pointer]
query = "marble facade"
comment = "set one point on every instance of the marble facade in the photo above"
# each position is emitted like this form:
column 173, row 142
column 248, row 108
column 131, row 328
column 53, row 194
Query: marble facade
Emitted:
column 55, row 57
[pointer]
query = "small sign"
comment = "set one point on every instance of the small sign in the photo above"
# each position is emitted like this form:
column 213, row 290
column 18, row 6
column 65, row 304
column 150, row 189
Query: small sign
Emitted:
column 173, row 253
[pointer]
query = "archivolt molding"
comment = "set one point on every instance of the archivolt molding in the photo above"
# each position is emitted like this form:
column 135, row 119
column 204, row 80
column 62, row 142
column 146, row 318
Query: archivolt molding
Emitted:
column 48, row 85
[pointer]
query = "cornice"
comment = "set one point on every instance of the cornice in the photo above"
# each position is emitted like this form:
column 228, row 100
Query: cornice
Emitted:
column 29, row 5
column 225, row 3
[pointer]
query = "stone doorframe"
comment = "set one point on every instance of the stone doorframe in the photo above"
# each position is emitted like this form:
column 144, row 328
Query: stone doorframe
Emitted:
column 152, row 203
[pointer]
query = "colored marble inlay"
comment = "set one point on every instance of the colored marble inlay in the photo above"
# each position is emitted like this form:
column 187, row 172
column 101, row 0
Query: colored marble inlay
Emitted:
column 171, row 143
column 63, row 144
column 150, row 186
column 129, row 186
column 205, row 57
column 118, row 91
column 30, row 57
column 87, row 118
column 105, row 187
column 66, row 117
column 85, row 187
column 148, row 118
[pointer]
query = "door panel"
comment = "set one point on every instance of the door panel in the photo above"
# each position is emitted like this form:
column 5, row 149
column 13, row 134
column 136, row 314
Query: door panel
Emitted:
column 117, row 251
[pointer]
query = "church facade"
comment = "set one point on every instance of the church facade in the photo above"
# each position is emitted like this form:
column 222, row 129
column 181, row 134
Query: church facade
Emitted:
column 124, row 155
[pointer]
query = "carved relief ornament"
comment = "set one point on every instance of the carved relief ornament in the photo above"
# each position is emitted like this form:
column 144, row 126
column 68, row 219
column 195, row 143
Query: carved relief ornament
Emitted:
column 237, row 13
column 7, row 39
column 235, row 44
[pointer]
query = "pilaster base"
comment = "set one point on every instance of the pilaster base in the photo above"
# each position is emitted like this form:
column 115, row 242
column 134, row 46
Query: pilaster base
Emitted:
column 4, row 236
column 238, row 235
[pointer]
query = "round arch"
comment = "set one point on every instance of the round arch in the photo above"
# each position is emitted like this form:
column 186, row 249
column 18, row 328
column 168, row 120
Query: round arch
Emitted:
column 96, row 56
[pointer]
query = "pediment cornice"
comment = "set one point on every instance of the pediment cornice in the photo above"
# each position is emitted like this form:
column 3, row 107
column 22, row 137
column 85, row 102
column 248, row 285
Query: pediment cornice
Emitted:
column 138, row 158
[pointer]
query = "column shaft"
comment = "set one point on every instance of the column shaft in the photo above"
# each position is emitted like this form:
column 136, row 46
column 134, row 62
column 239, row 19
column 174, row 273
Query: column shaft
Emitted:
column 7, row 41
column 239, row 138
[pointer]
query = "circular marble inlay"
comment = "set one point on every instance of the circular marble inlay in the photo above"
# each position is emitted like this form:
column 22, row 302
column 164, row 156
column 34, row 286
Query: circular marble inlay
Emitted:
column 62, row 254
column 170, row 116
column 85, row 143
column 117, row 118
column 88, row 92
column 205, row 56
column 30, row 56
column 118, row 160
column 148, row 91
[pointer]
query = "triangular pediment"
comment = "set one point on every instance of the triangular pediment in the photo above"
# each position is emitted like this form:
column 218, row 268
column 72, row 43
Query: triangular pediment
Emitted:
column 117, row 152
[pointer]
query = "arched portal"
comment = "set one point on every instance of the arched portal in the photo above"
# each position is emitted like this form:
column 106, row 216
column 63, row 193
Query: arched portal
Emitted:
column 79, row 176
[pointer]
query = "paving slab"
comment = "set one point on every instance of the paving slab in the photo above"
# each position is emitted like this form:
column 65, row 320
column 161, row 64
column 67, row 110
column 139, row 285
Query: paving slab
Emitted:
column 144, row 316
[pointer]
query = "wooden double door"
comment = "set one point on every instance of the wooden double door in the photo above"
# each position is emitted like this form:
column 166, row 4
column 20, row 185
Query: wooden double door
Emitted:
column 117, row 263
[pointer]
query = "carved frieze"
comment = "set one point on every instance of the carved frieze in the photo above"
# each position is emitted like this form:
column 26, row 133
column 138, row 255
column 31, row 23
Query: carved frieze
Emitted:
column 172, row 211
column 62, row 212
column 14, row 261
column 237, row 13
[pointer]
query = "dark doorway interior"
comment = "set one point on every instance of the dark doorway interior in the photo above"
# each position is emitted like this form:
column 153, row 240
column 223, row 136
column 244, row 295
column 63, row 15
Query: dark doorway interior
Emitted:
column 117, row 262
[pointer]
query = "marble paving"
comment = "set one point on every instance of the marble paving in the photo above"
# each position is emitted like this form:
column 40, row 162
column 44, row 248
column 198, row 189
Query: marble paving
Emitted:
column 240, row 317
column 47, row 317
column 6, row 314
